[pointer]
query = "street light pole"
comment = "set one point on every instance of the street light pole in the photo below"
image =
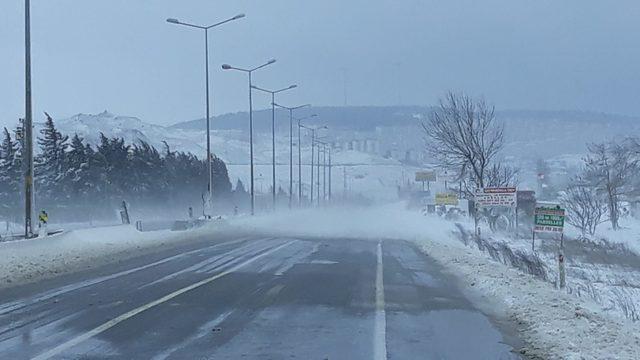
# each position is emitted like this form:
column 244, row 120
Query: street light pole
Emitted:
column 291, row 109
column 324, row 173
column 300, row 157
column 250, row 72
column 206, row 67
column 318, row 176
column 273, row 133
column 28, row 125
column 313, row 142
column 329, row 175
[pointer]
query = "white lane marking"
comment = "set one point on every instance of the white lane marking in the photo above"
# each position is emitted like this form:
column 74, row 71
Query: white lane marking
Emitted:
column 202, row 332
column 380, row 330
column 22, row 303
column 115, row 321
column 211, row 264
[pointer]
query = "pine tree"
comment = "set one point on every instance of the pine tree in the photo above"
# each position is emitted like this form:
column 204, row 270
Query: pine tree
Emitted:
column 10, row 166
column 221, row 183
column 50, row 169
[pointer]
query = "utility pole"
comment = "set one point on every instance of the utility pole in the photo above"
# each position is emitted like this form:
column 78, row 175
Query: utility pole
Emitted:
column 28, row 125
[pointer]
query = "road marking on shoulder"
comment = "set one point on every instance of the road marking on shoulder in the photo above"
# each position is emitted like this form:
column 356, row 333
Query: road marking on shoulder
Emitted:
column 380, row 330
column 50, row 294
column 115, row 321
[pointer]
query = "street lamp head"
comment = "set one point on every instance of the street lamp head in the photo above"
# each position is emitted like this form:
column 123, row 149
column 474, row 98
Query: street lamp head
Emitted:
column 293, row 86
column 226, row 67
column 173, row 21
column 314, row 115
column 239, row 16
column 271, row 61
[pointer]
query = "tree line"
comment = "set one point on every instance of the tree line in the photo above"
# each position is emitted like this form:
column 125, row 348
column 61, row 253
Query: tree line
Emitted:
column 462, row 135
column 607, row 184
column 75, row 180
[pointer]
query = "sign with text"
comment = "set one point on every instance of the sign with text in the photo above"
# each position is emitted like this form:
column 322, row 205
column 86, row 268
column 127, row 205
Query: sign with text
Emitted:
column 447, row 199
column 549, row 218
column 427, row 175
column 496, row 196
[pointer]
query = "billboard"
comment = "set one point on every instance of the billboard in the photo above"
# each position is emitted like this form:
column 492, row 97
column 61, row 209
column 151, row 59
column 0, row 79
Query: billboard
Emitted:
column 427, row 175
column 447, row 199
column 496, row 196
column 549, row 218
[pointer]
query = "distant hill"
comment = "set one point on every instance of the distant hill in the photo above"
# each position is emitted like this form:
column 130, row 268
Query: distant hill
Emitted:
column 529, row 134
column 359, row 118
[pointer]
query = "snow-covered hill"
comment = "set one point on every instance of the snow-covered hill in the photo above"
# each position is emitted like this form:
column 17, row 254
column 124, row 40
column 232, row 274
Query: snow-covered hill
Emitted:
column 367, row 172
column 131, row 129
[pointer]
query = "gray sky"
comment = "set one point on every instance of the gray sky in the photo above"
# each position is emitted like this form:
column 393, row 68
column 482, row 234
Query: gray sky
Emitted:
column 121, row 55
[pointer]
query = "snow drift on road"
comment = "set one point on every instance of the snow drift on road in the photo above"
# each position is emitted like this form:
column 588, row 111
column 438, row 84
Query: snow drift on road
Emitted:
column 25, row 261
column 554, row 324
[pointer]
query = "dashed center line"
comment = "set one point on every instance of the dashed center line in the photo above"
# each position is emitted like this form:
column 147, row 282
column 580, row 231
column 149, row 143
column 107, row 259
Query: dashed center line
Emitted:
column 380, row 329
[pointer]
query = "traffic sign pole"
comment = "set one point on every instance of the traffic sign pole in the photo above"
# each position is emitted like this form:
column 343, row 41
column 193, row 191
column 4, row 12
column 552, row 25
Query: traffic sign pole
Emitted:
column 561, row 267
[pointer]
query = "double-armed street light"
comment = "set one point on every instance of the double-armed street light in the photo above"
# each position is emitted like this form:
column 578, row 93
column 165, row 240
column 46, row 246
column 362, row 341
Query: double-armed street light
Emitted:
column 273, row 132
column 250, row 72
column 291, row 109
column 313, row 142
column 324, row 170
column 299, row 121
column 206, row 66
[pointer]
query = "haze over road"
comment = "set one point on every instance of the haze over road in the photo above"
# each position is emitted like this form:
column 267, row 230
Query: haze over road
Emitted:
column 253, row 298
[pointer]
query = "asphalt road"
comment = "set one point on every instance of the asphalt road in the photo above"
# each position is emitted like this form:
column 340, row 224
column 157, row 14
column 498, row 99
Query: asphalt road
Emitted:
column 254, row 298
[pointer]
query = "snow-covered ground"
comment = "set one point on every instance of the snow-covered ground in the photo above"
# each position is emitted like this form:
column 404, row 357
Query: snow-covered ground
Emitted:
column 25, row 261
column 628, row 234
column 553, row 323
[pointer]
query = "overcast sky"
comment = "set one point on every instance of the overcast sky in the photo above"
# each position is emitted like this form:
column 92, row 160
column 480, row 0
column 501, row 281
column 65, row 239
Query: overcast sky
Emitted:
column 121, row 55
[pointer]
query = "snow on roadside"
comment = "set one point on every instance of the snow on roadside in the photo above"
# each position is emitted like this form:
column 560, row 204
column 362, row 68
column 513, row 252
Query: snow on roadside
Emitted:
column 555, row 325
column 25, row 261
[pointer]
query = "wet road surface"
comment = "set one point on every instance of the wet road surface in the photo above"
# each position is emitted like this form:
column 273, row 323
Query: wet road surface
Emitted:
column 254, row 298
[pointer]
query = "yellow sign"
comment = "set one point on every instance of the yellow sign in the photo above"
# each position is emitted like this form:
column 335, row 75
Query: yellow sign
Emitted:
column 446, row 199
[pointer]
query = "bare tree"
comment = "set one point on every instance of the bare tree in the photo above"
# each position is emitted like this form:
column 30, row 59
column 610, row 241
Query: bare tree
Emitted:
column 610, row 167
column 462, row 133
column 499, row 175
column 586, row 209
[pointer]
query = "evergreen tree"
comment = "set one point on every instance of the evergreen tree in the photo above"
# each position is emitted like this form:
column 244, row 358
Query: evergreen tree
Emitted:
column 10, row 177
column 221, row 183
column 50, row 169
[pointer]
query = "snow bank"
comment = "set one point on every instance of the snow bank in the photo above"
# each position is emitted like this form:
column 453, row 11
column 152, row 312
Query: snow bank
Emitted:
column 31, row 260
column 554, row 324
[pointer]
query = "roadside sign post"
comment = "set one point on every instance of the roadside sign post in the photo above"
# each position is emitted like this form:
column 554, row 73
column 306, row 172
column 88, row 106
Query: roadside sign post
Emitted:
column 447, row 198
column 426, row 176
column 495, row 197
column 550, row 218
